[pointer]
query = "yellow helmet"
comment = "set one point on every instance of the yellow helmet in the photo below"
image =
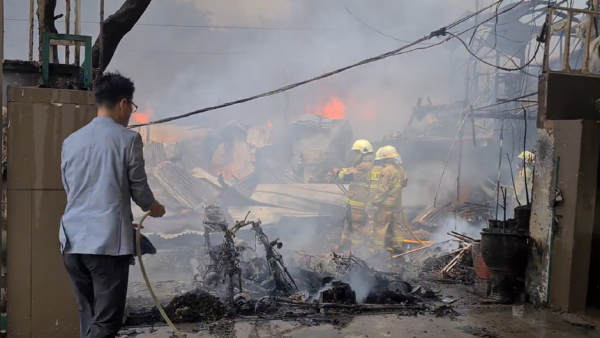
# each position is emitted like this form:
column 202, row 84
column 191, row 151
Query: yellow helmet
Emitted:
column 389, row 152
column 528, row 156
column 378, row 154
column 363, row 146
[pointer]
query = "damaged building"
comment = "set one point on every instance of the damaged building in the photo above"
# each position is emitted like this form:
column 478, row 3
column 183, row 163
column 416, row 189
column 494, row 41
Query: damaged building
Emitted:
column 253, row 217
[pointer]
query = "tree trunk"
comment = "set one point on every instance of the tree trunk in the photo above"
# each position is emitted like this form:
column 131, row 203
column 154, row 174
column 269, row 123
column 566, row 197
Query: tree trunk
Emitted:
column 46, row 24
column 116, row 27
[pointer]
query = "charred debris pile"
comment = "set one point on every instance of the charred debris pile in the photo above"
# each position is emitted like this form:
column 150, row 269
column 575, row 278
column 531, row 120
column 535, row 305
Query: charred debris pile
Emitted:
column 242, row 280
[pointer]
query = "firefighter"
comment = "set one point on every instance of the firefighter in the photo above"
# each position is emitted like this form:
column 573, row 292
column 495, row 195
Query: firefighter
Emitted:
column 386, row 201
column 374, row 175
column 525, row 167
column 358, row 192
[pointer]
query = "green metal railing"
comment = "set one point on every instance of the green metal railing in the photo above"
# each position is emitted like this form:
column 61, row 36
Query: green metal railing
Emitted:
column 55, row 39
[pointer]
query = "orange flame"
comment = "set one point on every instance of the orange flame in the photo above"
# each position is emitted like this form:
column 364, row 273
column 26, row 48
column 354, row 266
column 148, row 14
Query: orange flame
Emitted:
column 142, row 116
column 269, row 124
column 333, row 108
column 227, row 171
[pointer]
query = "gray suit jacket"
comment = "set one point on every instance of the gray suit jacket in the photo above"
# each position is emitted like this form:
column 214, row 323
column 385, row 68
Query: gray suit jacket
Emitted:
column 102, row 171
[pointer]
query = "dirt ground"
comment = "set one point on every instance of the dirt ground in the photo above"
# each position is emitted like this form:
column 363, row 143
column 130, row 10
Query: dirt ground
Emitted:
column 489, row 322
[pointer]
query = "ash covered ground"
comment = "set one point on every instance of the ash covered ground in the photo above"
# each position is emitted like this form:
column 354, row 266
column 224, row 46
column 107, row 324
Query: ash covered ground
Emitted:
column 307, row 284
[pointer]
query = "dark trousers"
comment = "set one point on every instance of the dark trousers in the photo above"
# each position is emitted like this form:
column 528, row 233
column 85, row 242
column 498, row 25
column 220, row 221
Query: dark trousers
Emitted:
column 100, row 285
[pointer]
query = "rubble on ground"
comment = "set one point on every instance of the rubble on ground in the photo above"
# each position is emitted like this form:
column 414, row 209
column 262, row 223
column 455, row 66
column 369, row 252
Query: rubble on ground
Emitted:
column 238, row 280
column 453, row 267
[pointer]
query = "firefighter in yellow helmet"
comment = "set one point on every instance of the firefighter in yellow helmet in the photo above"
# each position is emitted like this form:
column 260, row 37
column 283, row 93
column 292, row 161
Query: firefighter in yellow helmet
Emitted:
column 354, row 231
column 525, row 166
column 386, row 200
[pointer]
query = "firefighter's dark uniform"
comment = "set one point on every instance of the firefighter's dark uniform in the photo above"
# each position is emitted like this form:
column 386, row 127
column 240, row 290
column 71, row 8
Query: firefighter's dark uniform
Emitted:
column 356, row 201
column 387, row 191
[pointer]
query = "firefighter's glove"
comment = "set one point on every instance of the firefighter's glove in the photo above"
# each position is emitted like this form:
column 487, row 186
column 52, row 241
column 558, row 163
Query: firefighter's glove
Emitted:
column 341, row 173
column 333, row 174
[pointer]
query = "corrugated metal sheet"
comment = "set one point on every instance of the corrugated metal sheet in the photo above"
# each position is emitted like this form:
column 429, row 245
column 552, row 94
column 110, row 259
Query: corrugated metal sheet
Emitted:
column 268, row 215
column 154, row 153
column 323, row 198
column 202, row 174
column 172, row 206
column 432, row 216
column 190, row 156
column 186, row 189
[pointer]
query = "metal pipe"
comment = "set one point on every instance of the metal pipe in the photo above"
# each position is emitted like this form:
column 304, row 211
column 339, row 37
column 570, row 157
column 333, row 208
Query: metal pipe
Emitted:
column 31, row 10
column 460, row 153
column 67, row 28
column 567, row 52
column 77, row 30
column 499, row 167
column 586, row 51
column 101, row 39
column 546, row 63
column 525, row 157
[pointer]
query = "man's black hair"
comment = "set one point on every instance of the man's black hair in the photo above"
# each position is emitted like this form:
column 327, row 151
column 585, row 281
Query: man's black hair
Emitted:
column 111, row 88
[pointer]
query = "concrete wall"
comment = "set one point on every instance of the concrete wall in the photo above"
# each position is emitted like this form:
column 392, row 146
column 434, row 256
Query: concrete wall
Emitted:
column 566, row 128
column 568, row 97
column 577, row 143
column 594, row 277
column 40, row 298
column 541, row 218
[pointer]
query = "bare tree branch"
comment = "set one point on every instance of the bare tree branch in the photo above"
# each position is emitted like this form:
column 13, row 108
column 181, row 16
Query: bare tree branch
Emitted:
column 116, row 27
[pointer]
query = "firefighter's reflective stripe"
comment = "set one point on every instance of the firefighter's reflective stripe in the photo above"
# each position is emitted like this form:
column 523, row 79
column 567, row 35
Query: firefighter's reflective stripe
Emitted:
column 359, row 184
column 374, row 176
column 355, row 203
column 391, row 203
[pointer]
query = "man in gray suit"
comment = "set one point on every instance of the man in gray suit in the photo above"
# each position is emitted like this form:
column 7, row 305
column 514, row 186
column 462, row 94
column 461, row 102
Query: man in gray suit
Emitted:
column 102, row 171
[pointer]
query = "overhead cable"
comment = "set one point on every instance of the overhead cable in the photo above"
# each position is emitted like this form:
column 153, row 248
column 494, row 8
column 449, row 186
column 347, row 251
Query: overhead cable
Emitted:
column 493, row 65
column 506, row 101
column 371, row 28
column 402, row 50
column 406, row 41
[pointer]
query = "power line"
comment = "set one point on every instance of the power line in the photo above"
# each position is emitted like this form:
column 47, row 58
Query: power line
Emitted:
column 402, row 50
column 398, row 51
column 213, row 27
column 467, row 112
column 370, row 27
column 491, row 18
column 496, row 66
column 514, row 99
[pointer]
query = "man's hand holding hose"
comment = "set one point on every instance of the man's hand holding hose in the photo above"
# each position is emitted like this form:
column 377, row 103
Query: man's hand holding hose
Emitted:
column 156, row 210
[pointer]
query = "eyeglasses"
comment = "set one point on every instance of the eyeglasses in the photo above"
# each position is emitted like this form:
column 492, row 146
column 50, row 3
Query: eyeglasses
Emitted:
column 135, row 107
